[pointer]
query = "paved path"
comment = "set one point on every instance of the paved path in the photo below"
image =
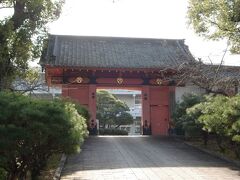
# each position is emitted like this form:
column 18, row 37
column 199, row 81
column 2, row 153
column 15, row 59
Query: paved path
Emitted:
column 144, row 158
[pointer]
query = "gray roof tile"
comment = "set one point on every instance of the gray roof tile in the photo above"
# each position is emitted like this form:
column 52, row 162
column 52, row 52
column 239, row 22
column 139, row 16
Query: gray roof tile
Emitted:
column 115, row 52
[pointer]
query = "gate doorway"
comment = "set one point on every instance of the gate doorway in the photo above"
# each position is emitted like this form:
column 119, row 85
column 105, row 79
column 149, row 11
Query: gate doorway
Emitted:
column 125, row 104
column 155, row 105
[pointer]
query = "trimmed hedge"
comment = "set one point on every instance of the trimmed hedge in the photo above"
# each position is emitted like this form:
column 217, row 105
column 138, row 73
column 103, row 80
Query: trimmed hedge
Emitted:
column 33, row 130
column 112, row 132
column 215, row 115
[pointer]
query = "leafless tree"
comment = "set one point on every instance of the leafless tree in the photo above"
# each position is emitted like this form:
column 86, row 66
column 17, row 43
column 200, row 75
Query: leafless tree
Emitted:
column 216, row 79
column 30, row 84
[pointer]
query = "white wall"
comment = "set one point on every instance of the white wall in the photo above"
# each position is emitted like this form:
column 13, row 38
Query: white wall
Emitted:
column 180, row 91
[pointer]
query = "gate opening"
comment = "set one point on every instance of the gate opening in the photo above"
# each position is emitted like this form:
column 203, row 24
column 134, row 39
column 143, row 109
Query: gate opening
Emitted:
column 119, row 111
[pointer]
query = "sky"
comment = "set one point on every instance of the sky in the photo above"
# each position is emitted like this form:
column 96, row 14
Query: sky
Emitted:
column 138, row 18
column 165, row 19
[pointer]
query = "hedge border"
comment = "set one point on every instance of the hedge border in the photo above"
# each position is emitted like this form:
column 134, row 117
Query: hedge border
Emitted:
column 217, row 155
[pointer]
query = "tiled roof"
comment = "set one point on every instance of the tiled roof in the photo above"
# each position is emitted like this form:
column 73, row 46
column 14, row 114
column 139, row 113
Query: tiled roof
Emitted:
column 115, row 52
column 225, row 72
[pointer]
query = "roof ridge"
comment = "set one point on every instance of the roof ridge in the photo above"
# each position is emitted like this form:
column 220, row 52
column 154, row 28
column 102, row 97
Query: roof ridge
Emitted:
column 114, row 37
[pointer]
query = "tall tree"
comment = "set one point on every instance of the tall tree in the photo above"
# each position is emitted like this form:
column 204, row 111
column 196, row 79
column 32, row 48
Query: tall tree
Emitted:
column 216, row 19
column 22, row 34
column 112, row 111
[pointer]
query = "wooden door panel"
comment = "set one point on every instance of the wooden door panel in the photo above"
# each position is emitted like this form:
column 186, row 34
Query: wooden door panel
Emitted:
column 159, row 120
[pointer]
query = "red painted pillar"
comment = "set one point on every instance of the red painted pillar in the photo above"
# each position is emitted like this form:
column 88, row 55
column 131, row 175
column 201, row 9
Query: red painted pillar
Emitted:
column 86, row 96
column 146, row 125
column 64, row 91
column 92, row 109
column 172, row 103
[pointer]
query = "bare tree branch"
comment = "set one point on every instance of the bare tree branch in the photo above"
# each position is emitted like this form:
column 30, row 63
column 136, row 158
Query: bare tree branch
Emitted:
column 6, row 7
column 217, row 79
column 222, row 60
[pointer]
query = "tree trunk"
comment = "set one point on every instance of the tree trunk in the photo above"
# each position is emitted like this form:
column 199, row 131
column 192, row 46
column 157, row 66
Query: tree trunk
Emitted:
column 12, row 173
column 205, row 137
column 1, row 84
column 219, row 143
column 12, row 177
column 236, row 147
column 117, row 126
column 15, row 176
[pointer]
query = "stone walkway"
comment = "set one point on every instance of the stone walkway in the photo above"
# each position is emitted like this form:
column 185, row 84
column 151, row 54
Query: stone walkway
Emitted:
column 144, row 158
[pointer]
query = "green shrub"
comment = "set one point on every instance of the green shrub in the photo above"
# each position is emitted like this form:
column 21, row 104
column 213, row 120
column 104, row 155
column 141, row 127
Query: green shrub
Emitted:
column 80, row 108
column 3, row 174
column 220, row 116
column 35, row 129
column 185, row 123
column 112, row 132
column 214, row 118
